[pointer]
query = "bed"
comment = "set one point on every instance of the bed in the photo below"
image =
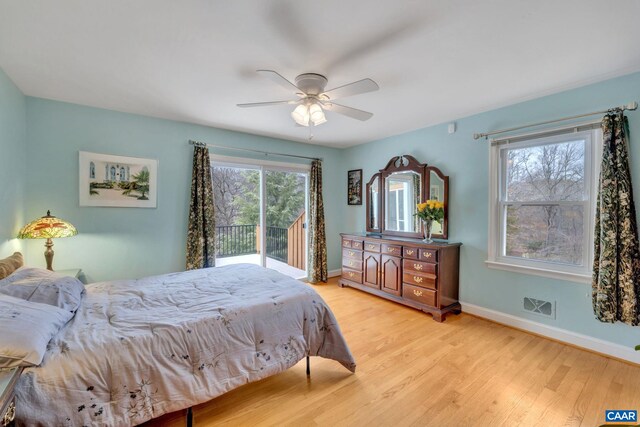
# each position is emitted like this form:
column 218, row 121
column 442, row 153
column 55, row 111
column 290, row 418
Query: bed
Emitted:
column 137, row 349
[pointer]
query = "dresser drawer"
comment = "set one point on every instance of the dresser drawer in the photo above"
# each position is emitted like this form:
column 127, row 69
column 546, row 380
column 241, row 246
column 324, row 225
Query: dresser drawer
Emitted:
column 371, row 247
column 346, row 243
column 421, row 295
column 356, row 244
column 351, row 263
column 429, row 255
column 353, row 276
column 351, row 253
column 419, row 266
column 409, row 252
column 417, row 279
column 395, row 250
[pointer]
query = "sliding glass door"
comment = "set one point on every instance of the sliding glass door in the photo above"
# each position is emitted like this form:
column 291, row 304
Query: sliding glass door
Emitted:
column 260, row 214
column 236, row 196
column 285, row 207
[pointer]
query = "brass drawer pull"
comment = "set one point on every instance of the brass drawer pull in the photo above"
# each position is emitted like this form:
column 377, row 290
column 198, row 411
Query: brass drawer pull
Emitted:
column 345, row 244
column 351, row 253
column 417, row 267
column 351, row 274
column 350, row 263
column 409, row 252
column 427, row 254
column 10, row 415
column 372, row 247
column 417, row 293
column 418, row 279
column 391, row 250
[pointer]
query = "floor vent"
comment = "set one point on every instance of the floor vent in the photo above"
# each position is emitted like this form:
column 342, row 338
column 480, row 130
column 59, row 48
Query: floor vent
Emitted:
column 540, row 307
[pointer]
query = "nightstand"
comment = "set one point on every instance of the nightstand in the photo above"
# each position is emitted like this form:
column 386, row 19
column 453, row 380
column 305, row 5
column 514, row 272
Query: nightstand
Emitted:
column 72, row 272
column 8, row 380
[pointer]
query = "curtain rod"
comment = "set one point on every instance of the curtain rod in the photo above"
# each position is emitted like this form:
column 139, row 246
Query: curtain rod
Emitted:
column 630, row 106
column 266, row 153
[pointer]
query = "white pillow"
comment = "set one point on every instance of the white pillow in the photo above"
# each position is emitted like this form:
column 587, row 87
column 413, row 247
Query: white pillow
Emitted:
column 27, row 327
column 44, row 286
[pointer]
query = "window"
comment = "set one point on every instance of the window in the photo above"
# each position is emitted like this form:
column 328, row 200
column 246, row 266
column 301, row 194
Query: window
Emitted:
column 543, row 202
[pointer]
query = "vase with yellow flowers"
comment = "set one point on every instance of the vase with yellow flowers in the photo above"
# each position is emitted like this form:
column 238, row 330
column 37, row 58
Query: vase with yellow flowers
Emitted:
column 429, row 211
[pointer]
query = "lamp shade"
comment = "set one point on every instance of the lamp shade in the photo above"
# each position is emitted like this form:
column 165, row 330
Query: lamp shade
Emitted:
column 47, row 227
column 301, row 115
column 317, row 116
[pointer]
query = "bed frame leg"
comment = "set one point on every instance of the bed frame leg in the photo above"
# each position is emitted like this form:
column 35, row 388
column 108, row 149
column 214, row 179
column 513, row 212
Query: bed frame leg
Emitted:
column 189, row 417
column 308, row 367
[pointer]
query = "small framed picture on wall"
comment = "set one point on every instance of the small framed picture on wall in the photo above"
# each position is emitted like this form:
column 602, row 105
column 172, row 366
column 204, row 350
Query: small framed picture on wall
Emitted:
column 354, row 187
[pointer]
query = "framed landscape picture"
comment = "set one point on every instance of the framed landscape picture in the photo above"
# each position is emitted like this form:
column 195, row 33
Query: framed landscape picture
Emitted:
column 354, row 187
column 117, row 181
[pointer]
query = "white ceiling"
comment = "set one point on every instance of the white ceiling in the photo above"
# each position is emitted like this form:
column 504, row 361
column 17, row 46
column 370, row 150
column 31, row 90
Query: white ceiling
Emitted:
column 194, row 60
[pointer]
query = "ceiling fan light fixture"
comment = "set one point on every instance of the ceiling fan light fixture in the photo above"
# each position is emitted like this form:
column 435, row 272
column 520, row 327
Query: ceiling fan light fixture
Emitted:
column 301, row 115
column 313, row 99
column 317, row 115
column 320, row 121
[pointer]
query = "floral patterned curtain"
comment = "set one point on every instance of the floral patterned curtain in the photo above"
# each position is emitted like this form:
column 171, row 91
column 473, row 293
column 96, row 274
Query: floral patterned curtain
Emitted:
column 317, row 238
column 616, row 266
column 201, row 249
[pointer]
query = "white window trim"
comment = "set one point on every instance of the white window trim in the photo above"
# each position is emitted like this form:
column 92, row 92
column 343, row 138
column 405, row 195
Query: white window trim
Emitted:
column 247, row 162
column 593, row 156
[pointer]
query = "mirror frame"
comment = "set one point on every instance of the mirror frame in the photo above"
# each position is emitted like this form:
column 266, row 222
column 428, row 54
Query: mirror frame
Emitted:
column 404, row 163
column 368, row 196
column 445, row 179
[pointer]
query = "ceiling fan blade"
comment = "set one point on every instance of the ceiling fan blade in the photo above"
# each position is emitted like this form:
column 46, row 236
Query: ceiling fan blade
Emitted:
column 267, row 104
column 355, row 88
column 277, row 78
column 354, row 113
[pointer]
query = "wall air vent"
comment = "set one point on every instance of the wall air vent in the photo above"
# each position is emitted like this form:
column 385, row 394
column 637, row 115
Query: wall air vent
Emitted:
column 540, row 307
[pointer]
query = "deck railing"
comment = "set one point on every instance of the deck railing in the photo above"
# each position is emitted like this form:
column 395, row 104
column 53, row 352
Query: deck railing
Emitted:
column 284, row 244
column 277, row 243
column 234, row 240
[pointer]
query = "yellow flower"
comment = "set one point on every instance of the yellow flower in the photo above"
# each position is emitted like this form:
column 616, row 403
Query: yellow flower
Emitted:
column 421, row 206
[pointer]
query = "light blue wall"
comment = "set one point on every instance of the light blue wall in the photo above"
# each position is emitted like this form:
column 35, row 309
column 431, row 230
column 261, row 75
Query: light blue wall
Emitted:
column 128, row 242
column 466, row 162
column 13, row 151
column 119, row 242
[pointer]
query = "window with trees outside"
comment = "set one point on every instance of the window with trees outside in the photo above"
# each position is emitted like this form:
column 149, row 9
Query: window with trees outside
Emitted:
column 543, row 203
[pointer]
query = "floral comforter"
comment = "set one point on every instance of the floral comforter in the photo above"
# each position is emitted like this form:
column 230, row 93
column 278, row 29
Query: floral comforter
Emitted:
column 137, row 349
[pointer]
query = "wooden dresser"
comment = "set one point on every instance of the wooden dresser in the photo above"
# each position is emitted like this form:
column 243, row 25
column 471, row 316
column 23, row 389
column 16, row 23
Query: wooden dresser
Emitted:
column 8, row 379
column 408, row 271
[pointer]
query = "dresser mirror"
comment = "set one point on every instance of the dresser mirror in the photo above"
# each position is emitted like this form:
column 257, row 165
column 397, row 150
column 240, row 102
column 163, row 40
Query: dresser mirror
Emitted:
column 373, row 204
column 403, row 190
column 393, row 193
column 439, row 190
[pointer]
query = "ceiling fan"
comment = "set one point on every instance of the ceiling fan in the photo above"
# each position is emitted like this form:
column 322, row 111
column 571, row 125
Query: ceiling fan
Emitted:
column 313, row 99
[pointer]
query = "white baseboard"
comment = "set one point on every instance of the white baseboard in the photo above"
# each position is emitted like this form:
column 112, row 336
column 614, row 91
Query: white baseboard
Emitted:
column 579, row 340
column 330, row 273
column 335, row 273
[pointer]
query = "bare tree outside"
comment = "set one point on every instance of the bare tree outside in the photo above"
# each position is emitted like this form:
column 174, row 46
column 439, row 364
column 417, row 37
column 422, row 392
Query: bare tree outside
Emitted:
column 229, row 187
column 552, row 173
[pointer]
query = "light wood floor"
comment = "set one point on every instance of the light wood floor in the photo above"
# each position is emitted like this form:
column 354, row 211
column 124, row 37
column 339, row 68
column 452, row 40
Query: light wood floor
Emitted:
column 415, row 371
